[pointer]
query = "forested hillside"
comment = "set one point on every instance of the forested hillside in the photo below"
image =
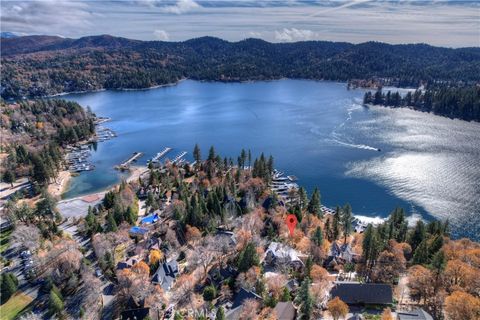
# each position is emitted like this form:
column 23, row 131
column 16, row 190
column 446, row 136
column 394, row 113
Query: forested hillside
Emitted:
column 34, row 134
column 462, row 103
column 36, row 66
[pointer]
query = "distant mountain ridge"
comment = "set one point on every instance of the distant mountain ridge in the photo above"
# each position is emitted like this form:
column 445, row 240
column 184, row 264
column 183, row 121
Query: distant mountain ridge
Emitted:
column 7, row 35
column 43, row 65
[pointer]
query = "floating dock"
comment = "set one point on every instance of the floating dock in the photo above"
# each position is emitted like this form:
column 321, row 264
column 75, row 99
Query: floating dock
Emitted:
column 160, row 155
column 179, row 157
column 126, row 165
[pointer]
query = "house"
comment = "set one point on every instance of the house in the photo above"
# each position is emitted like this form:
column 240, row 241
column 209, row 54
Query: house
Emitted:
column 135, row 310
column 166, row 274
column 285, row 311
column 150, row 219
column 339, row 255
column 218, row 275
column 138, row 233
column 127, row 264
column 243, row 295
column 135, row 314
column 417, row 314
column 353, row 293
column 240, row 298
column 343, row 251
column 154, row 243
column 227, row 234
column 279, row 254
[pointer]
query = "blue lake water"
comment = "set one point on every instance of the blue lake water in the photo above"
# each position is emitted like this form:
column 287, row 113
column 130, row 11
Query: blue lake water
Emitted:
column 317, row 131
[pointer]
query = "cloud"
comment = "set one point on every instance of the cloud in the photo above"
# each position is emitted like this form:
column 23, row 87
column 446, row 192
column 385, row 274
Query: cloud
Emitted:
column 49, row 16
column 171, row 6
column 444, row 23
column 294, row 34
column 254, row 34
column 161, row 35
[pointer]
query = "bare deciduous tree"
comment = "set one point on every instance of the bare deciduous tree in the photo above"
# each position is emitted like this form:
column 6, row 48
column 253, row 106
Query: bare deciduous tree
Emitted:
column 26, row 237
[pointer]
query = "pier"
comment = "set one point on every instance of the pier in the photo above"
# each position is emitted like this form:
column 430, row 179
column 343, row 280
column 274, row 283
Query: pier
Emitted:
column 160, row 155
column 126, row 165
column 179, row 157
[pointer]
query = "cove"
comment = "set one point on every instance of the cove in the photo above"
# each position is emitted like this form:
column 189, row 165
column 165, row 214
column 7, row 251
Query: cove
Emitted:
column 317, row 131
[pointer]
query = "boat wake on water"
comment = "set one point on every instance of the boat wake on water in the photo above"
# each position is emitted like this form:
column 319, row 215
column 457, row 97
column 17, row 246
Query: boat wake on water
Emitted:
column 358, row 146
column 339, row 138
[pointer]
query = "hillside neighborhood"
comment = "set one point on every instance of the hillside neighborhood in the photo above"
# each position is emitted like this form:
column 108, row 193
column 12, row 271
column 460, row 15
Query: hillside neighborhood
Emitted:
column 208, row 240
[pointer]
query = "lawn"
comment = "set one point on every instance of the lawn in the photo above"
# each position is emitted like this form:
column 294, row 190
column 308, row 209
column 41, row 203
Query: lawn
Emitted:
column 10, row 309
column 5, row 239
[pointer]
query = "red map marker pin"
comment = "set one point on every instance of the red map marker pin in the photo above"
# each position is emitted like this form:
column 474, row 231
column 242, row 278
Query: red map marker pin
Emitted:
column 291, row 223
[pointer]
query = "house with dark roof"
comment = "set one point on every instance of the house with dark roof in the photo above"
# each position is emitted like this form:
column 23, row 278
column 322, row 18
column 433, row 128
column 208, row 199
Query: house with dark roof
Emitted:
column 135, row 310
column 417, row 314
column 218, row 275
column 279, row 254
column 243, row 295
column 135, row 314
column 285, row 311
column 240, row 298
column 138, row 232
column 128, row 263
column 360, row 294
column 166, row 274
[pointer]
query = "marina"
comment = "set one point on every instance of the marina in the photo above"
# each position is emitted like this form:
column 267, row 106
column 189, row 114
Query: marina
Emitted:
column 77, row 157
column 308, row 144
column 282, row 185
column 160, row 155
column 126, row 164
column 178, row 159
column 104, row 134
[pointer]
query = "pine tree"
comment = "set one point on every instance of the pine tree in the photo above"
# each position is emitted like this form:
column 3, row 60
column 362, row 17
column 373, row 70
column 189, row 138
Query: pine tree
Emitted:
column 347, row 220
column 220, row 314
column 55, row 304
column 371, row 247
column 111, row 224
column 336, row 223
column 435, row 245
column 197, row 154
column 247, row 258
column 211, row 154
column 285, row 295
column 304, row 298
column 318, row 237
column 9, row 177
column 314, row 206
column 308, row 267
column 439, row 262
column 302, row 197
column 418, row 235
column 421, row 255
column 9, row 284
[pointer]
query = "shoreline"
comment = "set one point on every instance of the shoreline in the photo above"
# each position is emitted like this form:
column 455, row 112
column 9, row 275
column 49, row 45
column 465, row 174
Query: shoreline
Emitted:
column 59, row 187
column 133, row 174
column 119, row 89
column 184, row 79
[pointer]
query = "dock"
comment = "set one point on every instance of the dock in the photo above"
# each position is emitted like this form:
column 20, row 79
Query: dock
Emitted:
column 126, row 165
column 179, row 157
column 160, row 155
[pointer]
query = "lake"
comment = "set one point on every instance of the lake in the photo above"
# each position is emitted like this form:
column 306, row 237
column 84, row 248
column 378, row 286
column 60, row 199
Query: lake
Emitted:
column 317, row 131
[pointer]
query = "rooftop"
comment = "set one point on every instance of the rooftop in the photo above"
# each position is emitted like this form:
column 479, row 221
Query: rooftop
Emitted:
column 362, row 293
column 417, row 314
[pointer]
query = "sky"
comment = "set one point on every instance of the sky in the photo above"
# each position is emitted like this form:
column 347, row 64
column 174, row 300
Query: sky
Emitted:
column 436, row 22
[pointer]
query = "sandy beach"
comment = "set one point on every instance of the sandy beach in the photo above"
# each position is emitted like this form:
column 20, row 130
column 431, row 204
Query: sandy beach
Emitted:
column 57, row 188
